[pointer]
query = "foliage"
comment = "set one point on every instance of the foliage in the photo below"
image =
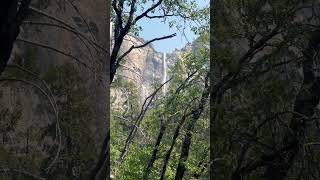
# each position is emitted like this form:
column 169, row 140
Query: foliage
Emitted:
column 257, row 112
column 78, row 148
column 165, row 110
column 77, row 151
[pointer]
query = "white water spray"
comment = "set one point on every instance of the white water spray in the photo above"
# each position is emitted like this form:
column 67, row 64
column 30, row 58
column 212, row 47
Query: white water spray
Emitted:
column 111, row 29
column 164, row 79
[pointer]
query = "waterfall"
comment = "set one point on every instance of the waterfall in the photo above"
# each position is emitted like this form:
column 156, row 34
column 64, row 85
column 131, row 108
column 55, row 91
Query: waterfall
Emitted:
column 111, row 35
column 111, row 28
column 164, row 79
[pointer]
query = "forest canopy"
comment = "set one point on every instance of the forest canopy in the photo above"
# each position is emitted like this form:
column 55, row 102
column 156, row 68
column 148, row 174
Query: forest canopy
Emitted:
column 81, row 101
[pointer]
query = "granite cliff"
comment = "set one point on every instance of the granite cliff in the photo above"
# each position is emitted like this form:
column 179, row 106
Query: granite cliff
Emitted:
column 146, row 66
column 53, row 95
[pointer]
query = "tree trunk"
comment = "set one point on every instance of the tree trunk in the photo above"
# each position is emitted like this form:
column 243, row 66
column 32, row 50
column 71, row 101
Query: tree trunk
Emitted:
column 168, row 153
column 155, row 151
column 305, row 103
column 196, row 113
column 10, row 21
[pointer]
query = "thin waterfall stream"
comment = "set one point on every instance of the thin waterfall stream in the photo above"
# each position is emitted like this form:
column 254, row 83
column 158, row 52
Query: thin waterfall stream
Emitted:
column 164, row 79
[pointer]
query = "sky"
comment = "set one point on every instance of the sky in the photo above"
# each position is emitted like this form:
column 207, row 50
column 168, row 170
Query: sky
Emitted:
column 153, row 28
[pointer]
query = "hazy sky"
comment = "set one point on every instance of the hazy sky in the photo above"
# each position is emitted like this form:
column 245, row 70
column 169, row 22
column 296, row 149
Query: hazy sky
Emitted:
column 153, row 28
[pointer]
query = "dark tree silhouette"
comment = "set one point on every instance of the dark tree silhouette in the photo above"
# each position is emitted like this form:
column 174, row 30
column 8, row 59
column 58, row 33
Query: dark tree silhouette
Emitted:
column 12, row 13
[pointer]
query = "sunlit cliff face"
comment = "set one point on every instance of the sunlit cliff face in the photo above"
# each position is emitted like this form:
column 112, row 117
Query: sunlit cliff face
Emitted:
column 146, row 66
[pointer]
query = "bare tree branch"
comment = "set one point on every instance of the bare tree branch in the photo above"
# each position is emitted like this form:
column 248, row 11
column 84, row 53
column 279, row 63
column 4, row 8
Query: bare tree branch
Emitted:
column 144, row 45
column 144, row 109
column 67, row 27
column 55, row 50
column 147, row 11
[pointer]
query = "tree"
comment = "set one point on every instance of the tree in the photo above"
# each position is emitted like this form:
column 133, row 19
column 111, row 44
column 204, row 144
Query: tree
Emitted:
column 12, row 14
column 125, row 17
column 258, row 126
column 90, row 62
column 153, row 152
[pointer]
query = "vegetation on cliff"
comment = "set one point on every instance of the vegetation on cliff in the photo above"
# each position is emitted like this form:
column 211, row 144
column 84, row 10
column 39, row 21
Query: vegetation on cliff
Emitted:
column 251, row 112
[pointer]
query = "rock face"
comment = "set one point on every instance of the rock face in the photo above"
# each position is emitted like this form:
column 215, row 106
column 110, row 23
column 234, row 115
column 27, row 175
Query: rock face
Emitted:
column 66, row 47
column 142, row 66
column 63, row 43
column 145, row 67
